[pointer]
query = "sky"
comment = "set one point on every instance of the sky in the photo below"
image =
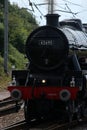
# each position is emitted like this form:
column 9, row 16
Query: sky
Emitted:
column 77, row 7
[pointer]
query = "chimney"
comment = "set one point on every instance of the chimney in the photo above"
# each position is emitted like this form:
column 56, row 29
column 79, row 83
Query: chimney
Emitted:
column 52, row 20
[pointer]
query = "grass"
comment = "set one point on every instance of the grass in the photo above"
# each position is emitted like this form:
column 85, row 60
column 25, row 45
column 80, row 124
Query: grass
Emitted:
column 4, row 81
column 14, row 58
column 4, row 78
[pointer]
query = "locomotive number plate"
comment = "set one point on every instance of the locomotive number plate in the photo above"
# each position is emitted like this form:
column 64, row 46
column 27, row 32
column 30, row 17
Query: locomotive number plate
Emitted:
column 46, row 42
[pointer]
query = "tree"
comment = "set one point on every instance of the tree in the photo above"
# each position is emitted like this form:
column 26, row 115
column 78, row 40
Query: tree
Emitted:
column 17, row 32
column 1, row 38
column 21, row 23
column 1, row 3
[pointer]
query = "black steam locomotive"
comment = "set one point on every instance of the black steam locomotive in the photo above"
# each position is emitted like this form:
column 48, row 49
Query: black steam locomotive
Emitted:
column 54, row 81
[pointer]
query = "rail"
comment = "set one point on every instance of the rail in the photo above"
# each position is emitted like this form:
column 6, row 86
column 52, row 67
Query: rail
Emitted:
column 9, row 106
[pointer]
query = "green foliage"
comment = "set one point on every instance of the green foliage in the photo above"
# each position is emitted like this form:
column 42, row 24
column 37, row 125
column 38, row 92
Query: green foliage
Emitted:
column 21, row 23
column 27, row 16
column 1, row 38
column 17, row 33
column 4, row 78
column 1, row 66
column 1, row 17
column 16, row 58
column 1, row 3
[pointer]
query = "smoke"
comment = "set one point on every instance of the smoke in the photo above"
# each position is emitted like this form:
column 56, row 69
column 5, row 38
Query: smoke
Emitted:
column 51, row 6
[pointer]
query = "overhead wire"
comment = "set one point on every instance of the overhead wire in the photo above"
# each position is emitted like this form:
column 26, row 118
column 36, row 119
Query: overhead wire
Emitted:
column 31, row 4
column 72, row 3
column 63, row 9
column 42, row 4
column 38, row 10
column 69, row 2
column 67, row 9
column 25, row 6
column 70, row 10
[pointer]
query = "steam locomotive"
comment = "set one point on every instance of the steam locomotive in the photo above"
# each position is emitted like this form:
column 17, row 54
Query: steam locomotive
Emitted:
column 54, row 81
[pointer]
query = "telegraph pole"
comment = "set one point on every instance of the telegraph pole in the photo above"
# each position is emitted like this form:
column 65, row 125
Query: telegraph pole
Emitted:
column 6, row 36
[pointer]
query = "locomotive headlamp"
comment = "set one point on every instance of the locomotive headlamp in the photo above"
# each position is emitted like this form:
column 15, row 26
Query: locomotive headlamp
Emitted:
column 43, row 81
column 16, row 94
column 64, row 95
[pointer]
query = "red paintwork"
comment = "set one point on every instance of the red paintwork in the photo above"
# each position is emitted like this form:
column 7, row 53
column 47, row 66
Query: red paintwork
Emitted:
column 50, row 92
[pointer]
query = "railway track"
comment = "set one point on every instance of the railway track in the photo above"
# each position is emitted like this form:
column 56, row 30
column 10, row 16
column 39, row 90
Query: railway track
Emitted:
column 58, row 125
column 9, row 106
column 6, row 102
column 44, row 125
column 16, row 126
